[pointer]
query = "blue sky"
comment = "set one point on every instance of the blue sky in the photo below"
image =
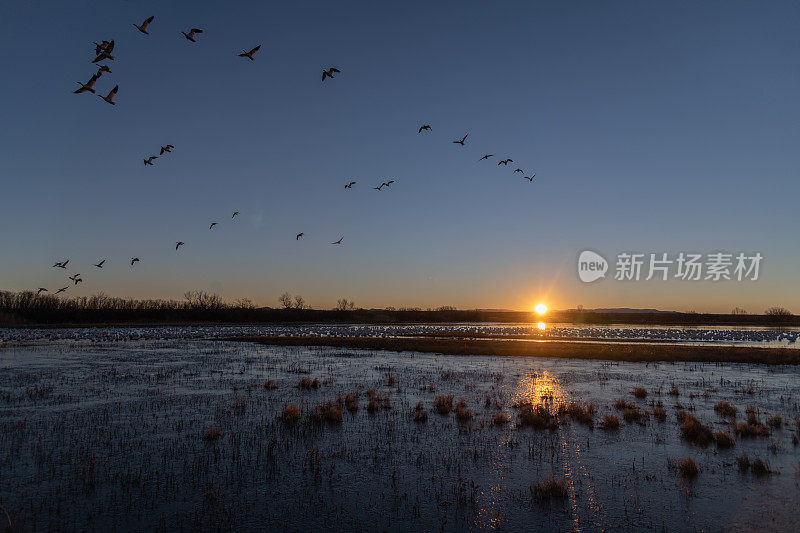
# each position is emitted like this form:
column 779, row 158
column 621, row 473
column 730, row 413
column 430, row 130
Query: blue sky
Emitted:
column 651, row 127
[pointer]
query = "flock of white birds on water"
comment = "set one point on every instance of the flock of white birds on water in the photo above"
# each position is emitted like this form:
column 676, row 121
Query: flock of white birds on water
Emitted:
column 723, row 336
column 104, row 53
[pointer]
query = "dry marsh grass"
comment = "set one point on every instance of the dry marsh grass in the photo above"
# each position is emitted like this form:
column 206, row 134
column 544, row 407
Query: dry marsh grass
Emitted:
column 610, row 423
column 351, row 401
column 419, row 414
column 462, row 412
column 211, row 434
column 725, row 409
column 550, row 489
column 443, row 404
column 537, row 417
column 688, row 467
column 724, row 439
column 290, row 414
column 578, row 412
column 308, row 384
column 692, row 430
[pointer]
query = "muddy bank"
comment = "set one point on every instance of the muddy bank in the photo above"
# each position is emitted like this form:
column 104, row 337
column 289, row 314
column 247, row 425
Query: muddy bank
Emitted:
column 563, row 349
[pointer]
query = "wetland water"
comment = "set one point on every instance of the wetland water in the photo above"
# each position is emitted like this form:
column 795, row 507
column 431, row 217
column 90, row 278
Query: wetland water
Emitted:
column 98, row 435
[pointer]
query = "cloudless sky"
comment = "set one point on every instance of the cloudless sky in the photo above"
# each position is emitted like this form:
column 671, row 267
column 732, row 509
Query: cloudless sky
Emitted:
column 651, row 127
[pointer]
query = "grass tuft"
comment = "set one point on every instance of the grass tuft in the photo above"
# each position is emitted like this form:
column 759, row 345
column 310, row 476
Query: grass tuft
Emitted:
column 688, row 467
column 443, row 404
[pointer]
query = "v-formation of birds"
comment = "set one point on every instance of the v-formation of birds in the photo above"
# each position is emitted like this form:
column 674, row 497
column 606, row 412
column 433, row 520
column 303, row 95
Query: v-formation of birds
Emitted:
column 103, row 52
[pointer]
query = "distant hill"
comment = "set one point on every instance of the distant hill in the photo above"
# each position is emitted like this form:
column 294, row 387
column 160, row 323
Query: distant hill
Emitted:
column 627, row 310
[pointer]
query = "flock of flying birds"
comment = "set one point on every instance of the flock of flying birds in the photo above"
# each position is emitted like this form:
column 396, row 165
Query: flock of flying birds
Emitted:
column 103, row 52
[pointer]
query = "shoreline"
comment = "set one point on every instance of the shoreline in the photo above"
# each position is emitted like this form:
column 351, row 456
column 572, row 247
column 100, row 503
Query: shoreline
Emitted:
column 611, row 351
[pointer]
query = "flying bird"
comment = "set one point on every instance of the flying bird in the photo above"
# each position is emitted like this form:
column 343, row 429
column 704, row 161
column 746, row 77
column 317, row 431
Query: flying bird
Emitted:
column 111, row 95
column 529, row 179
column 505, row 162
column 350, row 185
column 88, row 86
column 167, row 148
column 389, row 182
column 78, row 280
column 212, row 225
column 149, row 160
column 145, row 24
column 487, row 156
column 339, row 241
column 103, row 51
column 178, row 244
column 100, row 264
column 298, row 236
column 461, row 142
column 40, row 291
column 62, row 289
column 104, row 46
column 134, row 260
column 329, row 73
column 191, row 34
column 62, row 264
column 234, row 214
column 102, row 69
column 424, row 127
column 76, row 276
column 519, row 170
column 249, row 55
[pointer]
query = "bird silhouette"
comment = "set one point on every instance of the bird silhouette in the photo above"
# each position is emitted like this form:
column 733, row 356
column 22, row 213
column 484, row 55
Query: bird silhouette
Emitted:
column 519, row 170
column 339, row 241
column 145, row 24
column 424, row 127
column 461, row 142
column 191, row 34
column 40, row 291
column 62, row 289
column 505, row 162
column 529, row 179
column 234, row 214
column 329, row 73
column 77, row 280
column 212, row 225
column 102, row 69
column 100, row 264
column 350, row 185
column 103, row 51
column 149, row 160
column 110, row 97
column 73, row 278
column 487, row 156
column 62, row 264
column 88, row 86
column 104, row 46
column 134, row 260
column 297, row 238
column 178, row 244
column 249, row 55
column 167, row 148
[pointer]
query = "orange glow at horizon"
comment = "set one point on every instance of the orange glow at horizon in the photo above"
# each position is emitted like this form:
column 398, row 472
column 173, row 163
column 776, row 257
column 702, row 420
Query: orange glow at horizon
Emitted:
column 540, row 308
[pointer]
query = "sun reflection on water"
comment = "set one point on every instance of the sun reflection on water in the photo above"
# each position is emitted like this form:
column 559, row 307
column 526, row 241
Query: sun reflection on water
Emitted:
column 540, row 387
